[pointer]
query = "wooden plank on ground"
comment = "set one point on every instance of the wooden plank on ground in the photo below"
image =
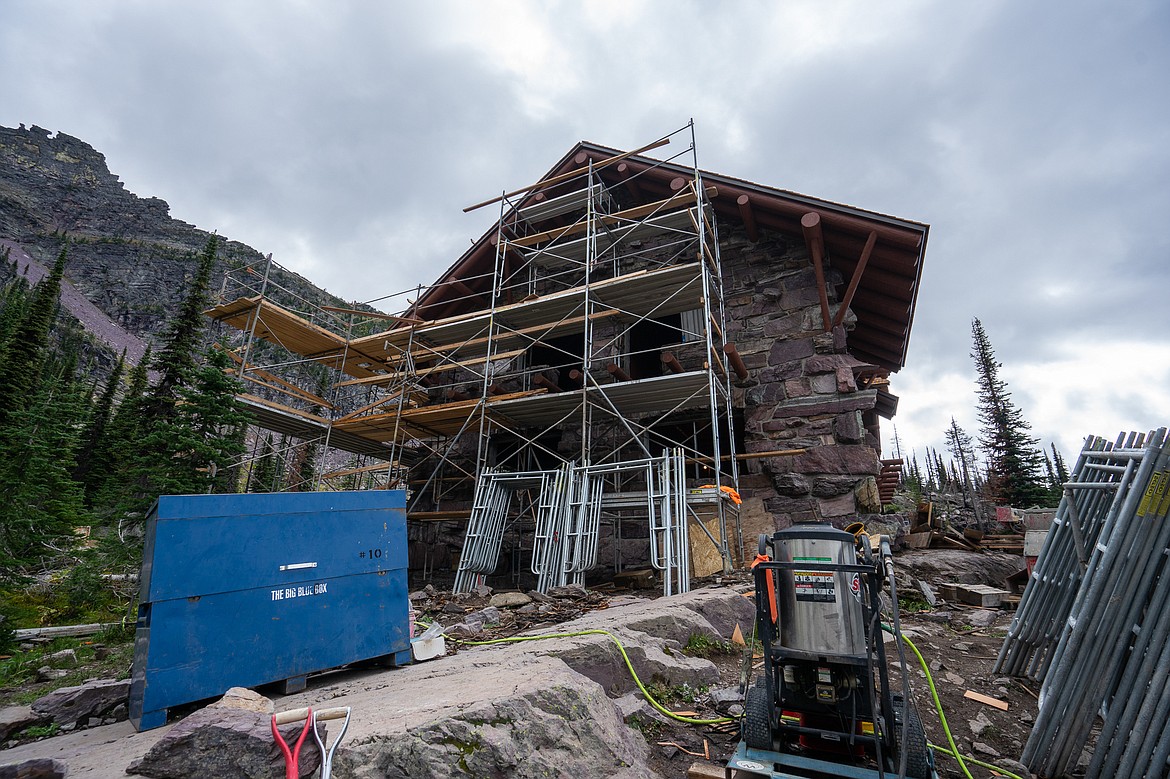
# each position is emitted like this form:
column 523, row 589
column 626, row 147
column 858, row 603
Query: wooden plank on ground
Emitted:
column 920, row 540
column 986, row 700
column 981, row 595
column 701, row 770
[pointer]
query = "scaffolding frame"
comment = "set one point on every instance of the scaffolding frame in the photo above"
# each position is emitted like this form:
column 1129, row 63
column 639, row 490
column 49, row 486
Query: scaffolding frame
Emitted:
column 546, row 370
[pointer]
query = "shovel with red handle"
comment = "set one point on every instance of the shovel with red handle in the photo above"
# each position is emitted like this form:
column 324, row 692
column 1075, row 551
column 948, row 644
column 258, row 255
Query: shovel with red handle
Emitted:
column 292, row 755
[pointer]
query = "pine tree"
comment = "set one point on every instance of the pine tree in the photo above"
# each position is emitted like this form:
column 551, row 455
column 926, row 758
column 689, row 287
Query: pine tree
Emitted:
column 123, row 435
column 189, row 430
column 182, row 341
column 40, row 503
column 959, row 444
column 1058, row 464
column 263, row 467
column 93, row 457
column 304, row 467
column 1013, row 459
column 23, row 352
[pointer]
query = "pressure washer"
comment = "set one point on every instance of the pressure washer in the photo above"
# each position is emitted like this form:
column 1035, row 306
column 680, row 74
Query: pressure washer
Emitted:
column 822, row 705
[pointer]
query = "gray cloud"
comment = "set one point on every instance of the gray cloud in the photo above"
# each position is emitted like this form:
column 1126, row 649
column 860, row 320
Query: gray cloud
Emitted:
column 345, row 138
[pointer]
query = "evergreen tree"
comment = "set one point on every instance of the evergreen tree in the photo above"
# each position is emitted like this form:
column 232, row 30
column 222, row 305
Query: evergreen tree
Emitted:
column 111, row 489
column 93, row 457
column 263, row 472
column 201, row 439
column 1013, row 459
column 959, row 444
column 182, row 341
column 1058, row 464
column 189, row 424
column 40, row 503
column 304, row 467
column 23, row 352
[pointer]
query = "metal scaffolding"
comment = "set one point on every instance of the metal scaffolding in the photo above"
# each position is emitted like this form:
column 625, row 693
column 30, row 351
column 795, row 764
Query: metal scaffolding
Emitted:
column 535, row 402
column 1093, row 625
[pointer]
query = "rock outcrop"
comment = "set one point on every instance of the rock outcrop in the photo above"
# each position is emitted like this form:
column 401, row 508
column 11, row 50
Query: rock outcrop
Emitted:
column 230, row 739
column 528, row 709
column 73, row 706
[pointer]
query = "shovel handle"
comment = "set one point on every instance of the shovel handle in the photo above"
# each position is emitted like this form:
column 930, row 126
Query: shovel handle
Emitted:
column 327, row 714
column 292, row 715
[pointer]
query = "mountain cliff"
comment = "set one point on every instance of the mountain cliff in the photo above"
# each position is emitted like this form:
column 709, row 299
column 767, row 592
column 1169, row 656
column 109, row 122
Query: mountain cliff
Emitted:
column 128, row 258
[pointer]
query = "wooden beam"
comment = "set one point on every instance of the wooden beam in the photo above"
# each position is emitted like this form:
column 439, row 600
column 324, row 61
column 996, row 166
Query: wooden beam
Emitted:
column 616, row 371
column 810, row 224
column 283, row 386
column 375, row 404
column 353, row 471
column 853, row 282
column 671, row 362
column 387, row 378
column 374, row 315
column 623, row 171
column 749, row 218
column 442, row 349
column 571, row 174
column 736, row 361
column 629, row 215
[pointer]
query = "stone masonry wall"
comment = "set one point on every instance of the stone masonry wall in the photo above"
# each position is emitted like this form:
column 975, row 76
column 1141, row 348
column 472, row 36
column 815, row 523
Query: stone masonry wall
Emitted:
column 801, row 393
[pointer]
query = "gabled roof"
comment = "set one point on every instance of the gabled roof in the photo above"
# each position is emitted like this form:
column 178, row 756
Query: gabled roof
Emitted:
column 886, row 292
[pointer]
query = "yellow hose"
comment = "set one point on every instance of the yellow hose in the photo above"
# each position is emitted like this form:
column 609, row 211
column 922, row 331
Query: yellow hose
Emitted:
column 997, row 769
column 953, row 751
column 626, row 657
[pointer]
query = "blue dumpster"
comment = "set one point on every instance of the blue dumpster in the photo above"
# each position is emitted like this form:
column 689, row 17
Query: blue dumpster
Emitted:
column 242, row 590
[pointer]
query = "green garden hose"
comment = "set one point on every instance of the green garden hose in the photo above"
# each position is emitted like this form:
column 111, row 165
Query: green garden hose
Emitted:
column 952, row 751
column 629, row 666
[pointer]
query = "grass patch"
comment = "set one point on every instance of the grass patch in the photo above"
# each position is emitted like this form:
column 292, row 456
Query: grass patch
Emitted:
column 649, row 727
column 912, row 605
column 39, row 731
column 675, row 695
column 95, row 659
column 705, row 645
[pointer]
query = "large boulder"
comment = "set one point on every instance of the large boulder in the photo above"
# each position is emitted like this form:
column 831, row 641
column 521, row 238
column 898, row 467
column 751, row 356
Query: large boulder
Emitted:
column 14, row 719
column 70, row 706
column 37, row 768
column 230, row 739
column 525, row 717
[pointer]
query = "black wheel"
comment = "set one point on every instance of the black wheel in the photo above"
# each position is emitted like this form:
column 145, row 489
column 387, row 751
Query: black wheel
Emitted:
column 918, row 765
column 757, row 719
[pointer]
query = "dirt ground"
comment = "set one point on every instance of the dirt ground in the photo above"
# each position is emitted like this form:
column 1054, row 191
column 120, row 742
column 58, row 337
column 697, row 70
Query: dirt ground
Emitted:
column 959, row 655
column 960, row 658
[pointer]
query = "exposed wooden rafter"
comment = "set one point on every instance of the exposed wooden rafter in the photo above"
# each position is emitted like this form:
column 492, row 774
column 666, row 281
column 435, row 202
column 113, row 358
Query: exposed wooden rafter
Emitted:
column 749, row 218
column 853, row 282
column 810, row 224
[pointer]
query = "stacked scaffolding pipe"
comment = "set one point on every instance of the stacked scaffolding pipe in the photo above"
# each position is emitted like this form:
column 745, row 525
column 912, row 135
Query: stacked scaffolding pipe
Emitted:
column 1109, row 619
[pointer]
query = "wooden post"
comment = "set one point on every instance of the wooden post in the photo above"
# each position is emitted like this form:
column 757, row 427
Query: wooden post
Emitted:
column 736, row 361
column 672, row 362
column 749, row 218
column 616, row 371
column 810, row 224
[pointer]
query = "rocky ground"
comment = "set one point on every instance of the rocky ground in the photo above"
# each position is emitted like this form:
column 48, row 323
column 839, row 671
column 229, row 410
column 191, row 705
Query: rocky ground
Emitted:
column 568, row 706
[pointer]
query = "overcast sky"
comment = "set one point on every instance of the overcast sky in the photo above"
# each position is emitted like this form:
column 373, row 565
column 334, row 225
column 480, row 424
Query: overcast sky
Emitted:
column 346, row 137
